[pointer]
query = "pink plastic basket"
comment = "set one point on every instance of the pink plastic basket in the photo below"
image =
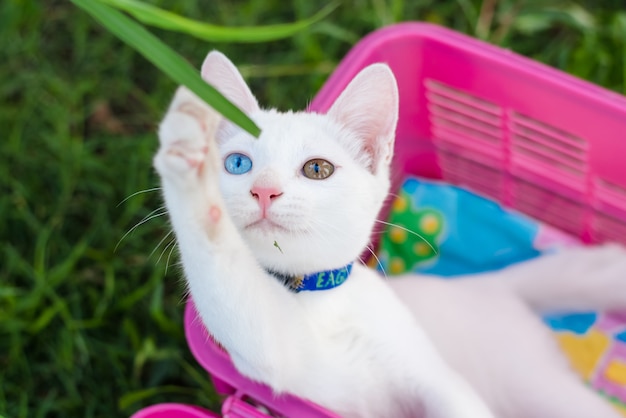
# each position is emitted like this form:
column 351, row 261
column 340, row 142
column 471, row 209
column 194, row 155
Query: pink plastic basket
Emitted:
column 529, row 136
column 174, row 410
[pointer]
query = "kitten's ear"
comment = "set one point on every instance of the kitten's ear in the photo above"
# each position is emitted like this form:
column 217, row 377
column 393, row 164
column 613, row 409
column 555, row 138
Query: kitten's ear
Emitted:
column 369, row 108
column 222, row 74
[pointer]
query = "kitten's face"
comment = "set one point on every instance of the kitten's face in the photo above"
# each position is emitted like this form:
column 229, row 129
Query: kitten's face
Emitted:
column 306, row 193
column 318, row 222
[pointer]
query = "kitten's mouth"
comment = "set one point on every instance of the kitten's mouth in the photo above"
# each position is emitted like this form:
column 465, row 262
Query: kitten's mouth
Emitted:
column 267, row 225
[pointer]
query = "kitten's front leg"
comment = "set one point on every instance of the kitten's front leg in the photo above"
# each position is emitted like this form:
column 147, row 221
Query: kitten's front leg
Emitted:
column 186, row 161
column 247, row 311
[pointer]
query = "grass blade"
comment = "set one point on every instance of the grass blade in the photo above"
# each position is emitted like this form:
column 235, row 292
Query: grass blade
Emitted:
column 165, row 59
column 154, row 16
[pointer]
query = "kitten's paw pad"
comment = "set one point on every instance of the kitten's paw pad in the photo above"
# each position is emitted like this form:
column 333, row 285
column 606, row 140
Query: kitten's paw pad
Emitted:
column 183, row 150
column 201, row 114
column 184, row 156
column 190, row 118
column 215, row 214
column 187, row 136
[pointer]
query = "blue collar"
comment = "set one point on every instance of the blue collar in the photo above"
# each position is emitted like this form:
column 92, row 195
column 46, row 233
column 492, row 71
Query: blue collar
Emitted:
column 323, row 280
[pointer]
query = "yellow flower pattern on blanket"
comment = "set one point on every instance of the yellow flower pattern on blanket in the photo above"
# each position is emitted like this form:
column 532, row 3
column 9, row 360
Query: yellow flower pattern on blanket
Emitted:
column 405, row 248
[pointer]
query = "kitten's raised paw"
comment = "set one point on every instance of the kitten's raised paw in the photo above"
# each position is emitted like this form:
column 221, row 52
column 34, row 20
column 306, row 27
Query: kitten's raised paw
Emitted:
column 187, row 137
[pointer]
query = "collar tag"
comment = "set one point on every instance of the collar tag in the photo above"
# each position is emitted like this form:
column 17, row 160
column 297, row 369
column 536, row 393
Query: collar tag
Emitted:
column 323, row 280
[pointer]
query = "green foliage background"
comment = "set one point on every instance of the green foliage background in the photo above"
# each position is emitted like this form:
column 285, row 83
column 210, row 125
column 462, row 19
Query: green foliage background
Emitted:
column 90, row 323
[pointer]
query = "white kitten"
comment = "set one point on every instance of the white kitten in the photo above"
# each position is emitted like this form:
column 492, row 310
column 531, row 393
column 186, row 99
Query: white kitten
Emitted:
column 488, row 328
column 299, row 200
column 355, row 348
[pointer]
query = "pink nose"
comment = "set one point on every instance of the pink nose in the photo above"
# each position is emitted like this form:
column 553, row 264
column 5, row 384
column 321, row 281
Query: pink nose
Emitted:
column 265, row 195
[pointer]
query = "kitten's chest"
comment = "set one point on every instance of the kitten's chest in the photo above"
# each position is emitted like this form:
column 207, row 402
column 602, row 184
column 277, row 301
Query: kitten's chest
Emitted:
column 358, row 360
column 360, row 323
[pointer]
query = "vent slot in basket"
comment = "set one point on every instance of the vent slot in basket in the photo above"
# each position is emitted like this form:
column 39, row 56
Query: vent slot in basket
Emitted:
column 608, row 228
column 549, row 207
column 464, row 120
column 609, row 220
column 467, row 131
column 481, row 178
column 548, row 152
column 529, row 165
column 609, row 193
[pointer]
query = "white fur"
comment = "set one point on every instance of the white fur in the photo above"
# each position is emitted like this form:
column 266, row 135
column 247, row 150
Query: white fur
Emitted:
column 354, row 349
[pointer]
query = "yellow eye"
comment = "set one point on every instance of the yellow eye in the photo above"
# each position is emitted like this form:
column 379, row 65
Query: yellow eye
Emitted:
column 318, row 169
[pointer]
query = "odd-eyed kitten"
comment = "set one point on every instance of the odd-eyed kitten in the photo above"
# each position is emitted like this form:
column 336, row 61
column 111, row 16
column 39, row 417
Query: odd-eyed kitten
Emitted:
column 252, row 217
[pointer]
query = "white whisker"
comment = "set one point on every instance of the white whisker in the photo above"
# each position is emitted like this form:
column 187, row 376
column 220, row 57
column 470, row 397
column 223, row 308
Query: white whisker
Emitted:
column 147, row 218
column 167, row 263
column 159, row 244
column 382, row 268
column 410, row 232
column 172, row 242
column 138, row 193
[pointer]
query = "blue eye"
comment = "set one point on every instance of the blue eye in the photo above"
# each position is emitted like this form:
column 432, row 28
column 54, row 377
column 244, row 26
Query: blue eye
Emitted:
column 237, row 163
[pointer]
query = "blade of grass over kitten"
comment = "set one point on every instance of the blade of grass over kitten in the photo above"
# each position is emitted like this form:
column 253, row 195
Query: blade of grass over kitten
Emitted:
column 154, row 16
column 166, row 60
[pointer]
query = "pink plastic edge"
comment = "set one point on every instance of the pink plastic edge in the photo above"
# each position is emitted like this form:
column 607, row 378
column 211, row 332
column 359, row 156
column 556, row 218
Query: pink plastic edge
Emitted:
column 174, row 410
column 355, row 61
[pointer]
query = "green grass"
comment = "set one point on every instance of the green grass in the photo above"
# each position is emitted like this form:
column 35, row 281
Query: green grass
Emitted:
column 91, row 326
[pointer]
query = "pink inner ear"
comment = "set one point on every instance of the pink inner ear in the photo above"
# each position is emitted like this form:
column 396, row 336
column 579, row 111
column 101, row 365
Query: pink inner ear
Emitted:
column 222, row 74
column 369, row 108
